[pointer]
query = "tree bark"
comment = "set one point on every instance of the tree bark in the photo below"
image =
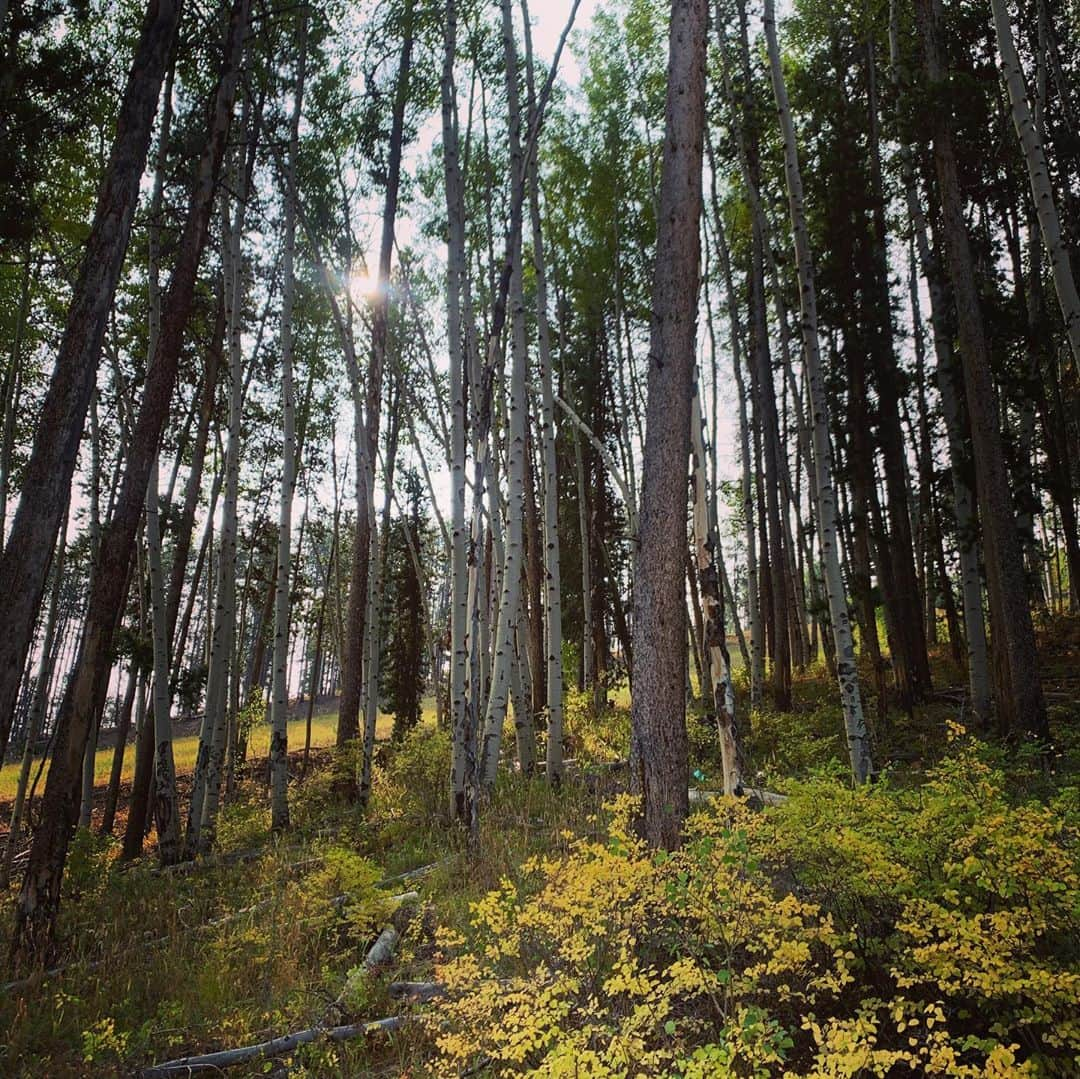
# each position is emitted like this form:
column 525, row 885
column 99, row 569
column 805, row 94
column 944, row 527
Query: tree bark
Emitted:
column 279, row 698
column 847, row 673
column 24, row 565
column 1020, row 702
column 33, row 939
column 659, row 749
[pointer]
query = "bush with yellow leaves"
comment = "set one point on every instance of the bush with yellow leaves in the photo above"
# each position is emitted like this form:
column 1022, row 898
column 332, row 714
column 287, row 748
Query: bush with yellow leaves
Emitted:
column 848, row 933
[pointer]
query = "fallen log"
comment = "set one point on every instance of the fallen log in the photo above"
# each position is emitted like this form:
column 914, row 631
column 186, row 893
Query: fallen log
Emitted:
column 275, row 1047
column 769, row 798
column 411, row 874
column 417, row 992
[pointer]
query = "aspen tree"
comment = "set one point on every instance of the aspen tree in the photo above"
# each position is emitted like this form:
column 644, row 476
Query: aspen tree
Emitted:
column 847, row 673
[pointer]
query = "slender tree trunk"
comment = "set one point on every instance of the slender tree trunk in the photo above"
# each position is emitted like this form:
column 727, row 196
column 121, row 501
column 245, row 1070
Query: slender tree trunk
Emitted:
column 587, row 663
column 33, row 939
column 553, row 633
column 706, row 544
column 123, row 726
column 509, row 605
column 949, row 381
column 368, row 439
column 279, row 698
column 1020, row 701
column 659, row 763
column 463, row 754
column 24, row 565
column 847, row 673
column 756, row 650
column 38, row 707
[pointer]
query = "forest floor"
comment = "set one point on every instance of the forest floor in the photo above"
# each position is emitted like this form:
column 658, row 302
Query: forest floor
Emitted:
column 239, row 950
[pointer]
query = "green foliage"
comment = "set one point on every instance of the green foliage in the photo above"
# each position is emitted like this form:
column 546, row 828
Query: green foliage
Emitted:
column 414, row 780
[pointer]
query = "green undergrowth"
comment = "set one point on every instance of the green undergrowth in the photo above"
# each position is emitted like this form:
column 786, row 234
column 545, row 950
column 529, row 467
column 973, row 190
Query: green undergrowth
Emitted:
column 929, row 921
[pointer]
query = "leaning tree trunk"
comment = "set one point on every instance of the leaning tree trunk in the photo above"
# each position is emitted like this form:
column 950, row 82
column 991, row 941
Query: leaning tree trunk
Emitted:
column 659, row 755
column 166, row 802
column 24, row 565
column 847, row 672
column 1020, row 702
column 279, row 697
column 1042, row 192
column 33, row 940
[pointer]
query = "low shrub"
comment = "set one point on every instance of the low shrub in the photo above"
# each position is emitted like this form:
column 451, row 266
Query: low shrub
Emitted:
column 868, row 932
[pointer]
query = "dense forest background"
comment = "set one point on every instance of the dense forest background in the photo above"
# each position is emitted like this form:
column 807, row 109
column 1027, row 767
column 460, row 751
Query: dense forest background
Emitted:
column 540, row 541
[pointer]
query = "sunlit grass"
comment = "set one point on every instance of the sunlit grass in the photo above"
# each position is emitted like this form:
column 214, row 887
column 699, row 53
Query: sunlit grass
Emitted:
column 185, row 749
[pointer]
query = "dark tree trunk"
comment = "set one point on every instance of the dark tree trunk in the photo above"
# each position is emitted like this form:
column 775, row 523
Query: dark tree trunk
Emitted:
column 1020, row 701
column 659, row 752
column 39, row 899
column 123, row 725
column 47, row 478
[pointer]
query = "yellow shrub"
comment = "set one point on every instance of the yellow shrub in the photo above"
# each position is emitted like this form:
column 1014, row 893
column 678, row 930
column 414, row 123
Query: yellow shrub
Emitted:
column 848, row 933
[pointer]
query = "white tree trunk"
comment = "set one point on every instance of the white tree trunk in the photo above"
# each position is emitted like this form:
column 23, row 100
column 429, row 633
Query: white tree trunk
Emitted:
column 206, row 788
column 509, row 606
column 463, row 738
column 706, row 546
column 847, row 672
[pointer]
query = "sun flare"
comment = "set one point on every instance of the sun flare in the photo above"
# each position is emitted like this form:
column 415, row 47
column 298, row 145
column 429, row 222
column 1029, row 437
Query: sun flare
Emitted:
column 363, row 285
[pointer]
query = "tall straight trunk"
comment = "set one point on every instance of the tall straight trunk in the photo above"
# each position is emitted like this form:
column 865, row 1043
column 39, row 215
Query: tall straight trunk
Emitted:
column 587, row 663
column 949, row 382
column 206, row 784
column 1020, row 702
column 910, row 662
column 24, row 565
column 380, row 547
column 35, row 722
column 847, row 673
column 533, row 613
column 721, row 692
column 1042, row 191
column 775, row 465
column 368, row 439
column 279, row 697
column 659, row 763
column 33, row 939
column 463, row 751
column 509, row 604
column 553, row 633
column 756, row 648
